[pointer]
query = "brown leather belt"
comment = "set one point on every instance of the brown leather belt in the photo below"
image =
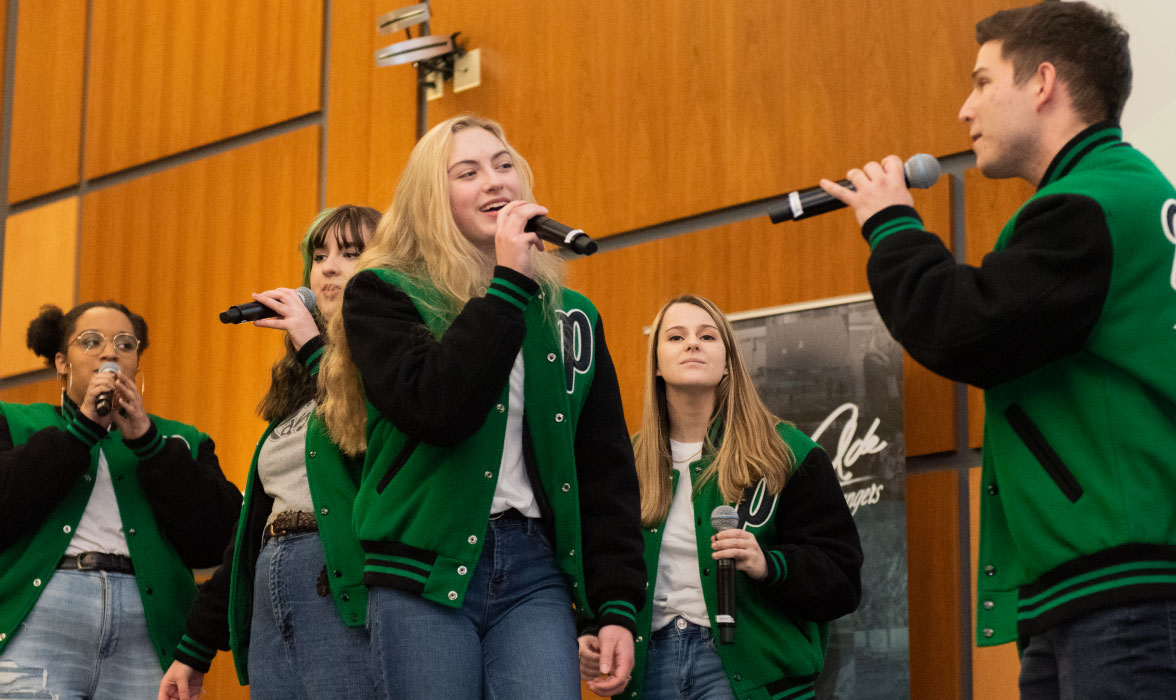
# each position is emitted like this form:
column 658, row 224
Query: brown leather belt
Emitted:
column 97, row 561
column 290, row 522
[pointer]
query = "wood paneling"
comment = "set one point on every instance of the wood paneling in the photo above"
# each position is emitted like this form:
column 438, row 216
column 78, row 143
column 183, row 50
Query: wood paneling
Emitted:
column 994, row 669
column 184, row 244
column 751, row 265
column 988, row 204
column 638, row 114
column 44, row 391
column 47, row 97
column 371, row 118
column 169, row 76
column 40, row 267
column 933, row 585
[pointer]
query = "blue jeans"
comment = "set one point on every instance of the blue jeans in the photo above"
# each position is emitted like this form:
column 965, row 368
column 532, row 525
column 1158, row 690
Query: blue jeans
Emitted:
column 682, row 664
column 85, row 638
column 513, row 637
column 299, row 647
column 1123, row 652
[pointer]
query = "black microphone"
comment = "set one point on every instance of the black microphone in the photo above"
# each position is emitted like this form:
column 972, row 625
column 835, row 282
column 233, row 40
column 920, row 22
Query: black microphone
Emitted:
column 105, row 401
column 255, row 310
column 573, row 239
column 725, row 518
column 922, row 170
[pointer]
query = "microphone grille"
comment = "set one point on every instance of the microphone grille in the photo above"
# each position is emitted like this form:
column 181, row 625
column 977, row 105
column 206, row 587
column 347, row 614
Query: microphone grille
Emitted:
column 307, row 297
column 110, row 367
column 724, row 518
column 922, row 170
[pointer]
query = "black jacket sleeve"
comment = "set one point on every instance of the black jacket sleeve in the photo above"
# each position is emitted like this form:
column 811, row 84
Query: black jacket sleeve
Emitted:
column 1033, row 302
column 207, row 626
column 35, row 476
column 439, row 391
column 610, row 506
column 814, row 531
column 195, row 505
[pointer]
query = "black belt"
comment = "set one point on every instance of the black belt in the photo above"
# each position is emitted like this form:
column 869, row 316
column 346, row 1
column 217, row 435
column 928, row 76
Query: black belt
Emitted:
column 97, row 561
column 508, row 515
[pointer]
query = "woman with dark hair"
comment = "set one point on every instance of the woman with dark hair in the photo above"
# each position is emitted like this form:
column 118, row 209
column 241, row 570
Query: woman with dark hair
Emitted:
column 289, row 598
column 104, row 511
column 708, row 440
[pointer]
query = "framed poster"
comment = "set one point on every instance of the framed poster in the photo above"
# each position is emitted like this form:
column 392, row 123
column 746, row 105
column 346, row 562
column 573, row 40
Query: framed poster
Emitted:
column 831, row 368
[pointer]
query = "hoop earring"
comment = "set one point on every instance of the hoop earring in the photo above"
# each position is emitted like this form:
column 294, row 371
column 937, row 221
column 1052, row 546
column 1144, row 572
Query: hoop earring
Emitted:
column 65, row 390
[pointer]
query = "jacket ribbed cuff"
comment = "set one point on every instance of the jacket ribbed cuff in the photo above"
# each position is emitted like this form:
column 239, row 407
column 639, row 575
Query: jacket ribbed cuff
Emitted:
column 617, row 612
column 889, row 221
column 511, row 287
column 193, row 653
column 311, row 353
column 146, row 445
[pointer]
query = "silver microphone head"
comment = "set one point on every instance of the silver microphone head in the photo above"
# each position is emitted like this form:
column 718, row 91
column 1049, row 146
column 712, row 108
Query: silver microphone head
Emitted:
column 307, row 297
column 922, row 170
column 724, row 518
column 110, row 367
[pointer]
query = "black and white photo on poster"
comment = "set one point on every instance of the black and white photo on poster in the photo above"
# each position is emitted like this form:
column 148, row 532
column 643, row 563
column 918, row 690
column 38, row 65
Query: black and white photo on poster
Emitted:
column 833, row 370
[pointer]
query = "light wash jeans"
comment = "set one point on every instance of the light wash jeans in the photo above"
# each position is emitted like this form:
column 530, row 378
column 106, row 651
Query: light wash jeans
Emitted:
column 86, row 638
column 1113, row 654
column 682, row 664
column 513, row 638
column 299, row 648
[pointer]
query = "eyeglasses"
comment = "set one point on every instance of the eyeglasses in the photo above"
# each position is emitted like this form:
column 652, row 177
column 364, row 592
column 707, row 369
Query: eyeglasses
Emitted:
column 91, row 342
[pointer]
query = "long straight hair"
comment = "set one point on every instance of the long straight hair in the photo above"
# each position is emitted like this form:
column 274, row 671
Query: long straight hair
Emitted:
column 419, row 238
column 748, row 447
column 291, row 385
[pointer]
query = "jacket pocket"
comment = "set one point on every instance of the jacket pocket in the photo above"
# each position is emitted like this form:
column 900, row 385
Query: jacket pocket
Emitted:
column 1023, row 426
column 398, row 463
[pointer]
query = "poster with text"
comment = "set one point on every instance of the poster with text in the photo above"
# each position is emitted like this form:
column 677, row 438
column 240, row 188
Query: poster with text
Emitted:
column 832, row 369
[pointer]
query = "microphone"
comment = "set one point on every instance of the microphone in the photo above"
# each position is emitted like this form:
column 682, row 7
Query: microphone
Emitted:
column 922, row 170
column 725, row 518
column 552, row 231
column 105, row 400
column 255, row 310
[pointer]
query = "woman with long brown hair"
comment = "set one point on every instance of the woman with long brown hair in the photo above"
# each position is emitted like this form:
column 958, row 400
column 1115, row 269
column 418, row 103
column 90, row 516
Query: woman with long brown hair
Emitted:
column 707, row 440
column 288, row 598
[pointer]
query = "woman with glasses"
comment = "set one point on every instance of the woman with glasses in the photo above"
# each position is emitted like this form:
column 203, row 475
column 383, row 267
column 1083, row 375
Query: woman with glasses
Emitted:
column 104, row 511
column 289, row 598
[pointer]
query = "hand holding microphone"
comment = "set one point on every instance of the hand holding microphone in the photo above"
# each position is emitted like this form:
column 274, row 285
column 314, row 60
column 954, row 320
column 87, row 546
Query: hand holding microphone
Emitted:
column 105, row 399
column 724, row 519
column 921, row 171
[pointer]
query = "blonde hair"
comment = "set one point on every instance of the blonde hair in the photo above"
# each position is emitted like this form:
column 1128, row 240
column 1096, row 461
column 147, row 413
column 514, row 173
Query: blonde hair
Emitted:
column 750, row 448
column 419, row 238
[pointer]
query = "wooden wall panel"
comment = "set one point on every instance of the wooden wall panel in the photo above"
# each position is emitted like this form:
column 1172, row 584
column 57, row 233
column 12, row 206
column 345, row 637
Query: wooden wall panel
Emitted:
column 933, row 585
column 994, row 669
column 371, row 117
column 751, row 265
column 40, row 267
column 638, row 114
column 169, row 76
column 47, row 97
column 988, row 205
column 184, row 244
column 43, row 391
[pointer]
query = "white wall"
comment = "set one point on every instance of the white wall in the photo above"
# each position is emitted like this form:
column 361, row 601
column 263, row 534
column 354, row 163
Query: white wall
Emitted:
column 1149, row 120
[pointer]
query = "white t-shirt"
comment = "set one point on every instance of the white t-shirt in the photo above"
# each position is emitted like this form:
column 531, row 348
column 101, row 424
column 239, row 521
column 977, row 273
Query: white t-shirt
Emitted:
column 679, row 586
column 513, row 489
column 100, row 529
